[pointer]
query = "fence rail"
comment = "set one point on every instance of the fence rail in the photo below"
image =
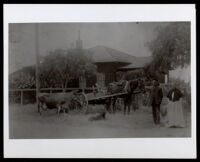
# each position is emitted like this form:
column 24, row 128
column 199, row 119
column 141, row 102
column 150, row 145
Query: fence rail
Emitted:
column 54, row 89
column 43, row 89
column 47, row 89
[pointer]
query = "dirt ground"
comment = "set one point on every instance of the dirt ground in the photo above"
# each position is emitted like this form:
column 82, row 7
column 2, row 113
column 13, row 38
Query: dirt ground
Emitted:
column 26, row 123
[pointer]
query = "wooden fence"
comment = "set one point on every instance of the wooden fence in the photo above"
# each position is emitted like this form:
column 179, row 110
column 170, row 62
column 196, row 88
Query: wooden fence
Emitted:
column 43, row 89
column 56, row 89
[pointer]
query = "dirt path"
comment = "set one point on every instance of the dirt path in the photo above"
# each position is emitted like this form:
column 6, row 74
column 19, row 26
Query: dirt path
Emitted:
column 26, row 123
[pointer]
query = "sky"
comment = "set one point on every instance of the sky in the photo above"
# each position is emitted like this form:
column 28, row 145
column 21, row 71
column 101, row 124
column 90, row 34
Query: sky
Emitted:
column 128, row 37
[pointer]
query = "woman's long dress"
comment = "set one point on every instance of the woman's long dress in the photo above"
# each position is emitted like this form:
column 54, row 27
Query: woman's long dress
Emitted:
column 163, row 110
column 175, row 114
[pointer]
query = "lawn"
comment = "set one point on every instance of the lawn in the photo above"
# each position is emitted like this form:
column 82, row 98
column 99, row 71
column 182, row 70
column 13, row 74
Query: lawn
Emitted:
column 26, row 123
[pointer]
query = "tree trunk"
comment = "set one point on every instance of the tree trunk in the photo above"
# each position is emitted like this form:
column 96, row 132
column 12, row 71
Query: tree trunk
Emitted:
column 63, row 87
column 65, row 84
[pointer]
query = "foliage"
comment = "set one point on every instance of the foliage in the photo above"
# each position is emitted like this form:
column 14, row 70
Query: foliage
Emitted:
column 134, row 74
column 25, row 78
column 171, row 47
column 56, row 70
column 60, row 66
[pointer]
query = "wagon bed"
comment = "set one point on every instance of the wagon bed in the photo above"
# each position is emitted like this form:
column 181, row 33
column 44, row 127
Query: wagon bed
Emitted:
column 92, row 97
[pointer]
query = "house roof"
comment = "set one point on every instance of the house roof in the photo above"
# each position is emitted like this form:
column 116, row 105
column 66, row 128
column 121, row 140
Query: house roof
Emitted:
column 102, row 54
column 138, row 62
column 105, row 54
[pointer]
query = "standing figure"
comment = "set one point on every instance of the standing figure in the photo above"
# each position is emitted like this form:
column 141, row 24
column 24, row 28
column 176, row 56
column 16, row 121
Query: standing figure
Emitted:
column 175, row 111
column 110, row 104
column 128, row 98
column 94, row 90
column 156, row 99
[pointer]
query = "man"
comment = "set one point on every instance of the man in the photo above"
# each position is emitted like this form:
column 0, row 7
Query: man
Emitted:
column 126, row 86
column 156, row 99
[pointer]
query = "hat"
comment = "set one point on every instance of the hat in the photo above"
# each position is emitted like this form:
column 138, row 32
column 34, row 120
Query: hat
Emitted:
column 156, row 82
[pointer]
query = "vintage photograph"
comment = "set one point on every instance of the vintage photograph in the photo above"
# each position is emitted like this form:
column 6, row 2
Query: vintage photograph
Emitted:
column 99, row 80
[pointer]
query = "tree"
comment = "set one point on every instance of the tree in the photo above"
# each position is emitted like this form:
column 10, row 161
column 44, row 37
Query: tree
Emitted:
column 49, row 73
column 171, row 47
column 24, row 78
column 60, row 66
column 56, row 70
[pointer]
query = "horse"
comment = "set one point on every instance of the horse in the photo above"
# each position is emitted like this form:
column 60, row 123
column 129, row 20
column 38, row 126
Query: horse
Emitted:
column 114, row 87
column 128, row 97
column 111, row 104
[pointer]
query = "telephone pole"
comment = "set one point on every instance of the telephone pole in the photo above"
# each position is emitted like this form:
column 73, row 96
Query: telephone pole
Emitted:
column 37, row 64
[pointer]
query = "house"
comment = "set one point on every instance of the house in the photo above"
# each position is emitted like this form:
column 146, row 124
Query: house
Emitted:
column 109, row 61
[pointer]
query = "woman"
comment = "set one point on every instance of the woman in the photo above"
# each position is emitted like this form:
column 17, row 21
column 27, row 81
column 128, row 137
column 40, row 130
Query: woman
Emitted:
column 175, row 110
column 164, row 105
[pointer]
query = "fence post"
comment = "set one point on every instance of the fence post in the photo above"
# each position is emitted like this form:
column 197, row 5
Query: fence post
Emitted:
column 37, row 65
column 21, row 97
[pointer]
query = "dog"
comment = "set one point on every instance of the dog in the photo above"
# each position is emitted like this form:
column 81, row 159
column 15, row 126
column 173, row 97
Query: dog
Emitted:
column 101, row 116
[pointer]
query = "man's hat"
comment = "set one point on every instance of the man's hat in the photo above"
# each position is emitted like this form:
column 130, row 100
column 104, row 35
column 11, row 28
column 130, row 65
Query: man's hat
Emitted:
column 156, row 82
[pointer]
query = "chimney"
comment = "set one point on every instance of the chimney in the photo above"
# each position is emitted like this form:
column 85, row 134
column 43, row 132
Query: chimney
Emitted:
column 79, row 43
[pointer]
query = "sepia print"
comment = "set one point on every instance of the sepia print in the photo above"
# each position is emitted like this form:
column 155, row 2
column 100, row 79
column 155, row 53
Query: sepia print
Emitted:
column 99, row 80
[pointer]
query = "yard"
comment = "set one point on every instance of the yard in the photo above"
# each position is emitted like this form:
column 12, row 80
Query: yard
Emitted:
column 26, row 123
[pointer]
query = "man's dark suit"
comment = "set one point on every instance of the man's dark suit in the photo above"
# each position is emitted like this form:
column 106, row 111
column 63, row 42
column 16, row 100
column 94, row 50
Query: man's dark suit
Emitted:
column 156, row 99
